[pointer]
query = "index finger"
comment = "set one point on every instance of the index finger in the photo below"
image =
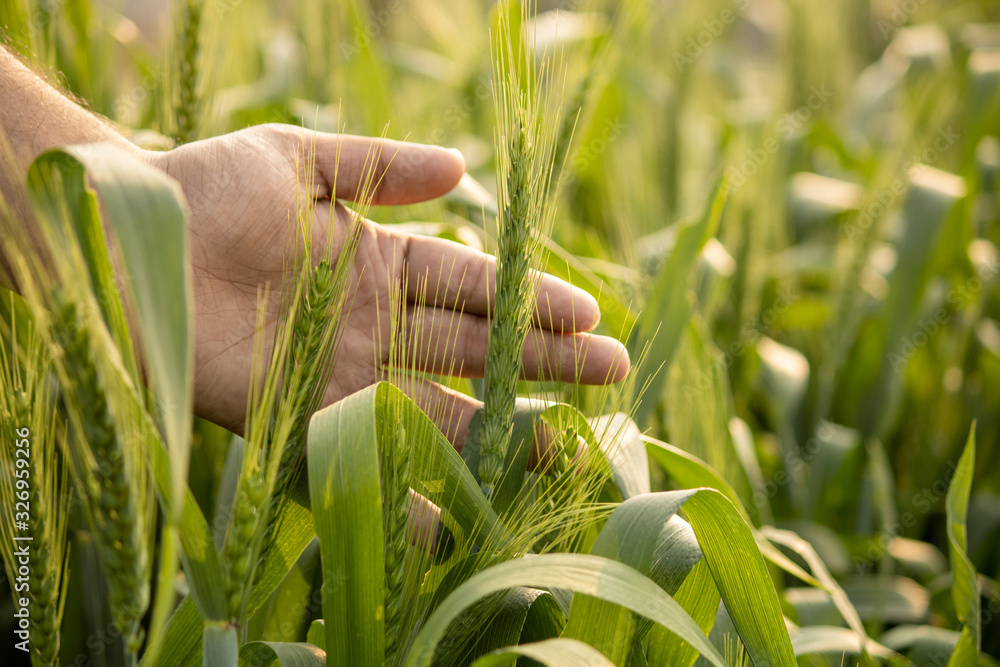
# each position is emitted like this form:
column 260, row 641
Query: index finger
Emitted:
column 444, row 274
column 388, row 172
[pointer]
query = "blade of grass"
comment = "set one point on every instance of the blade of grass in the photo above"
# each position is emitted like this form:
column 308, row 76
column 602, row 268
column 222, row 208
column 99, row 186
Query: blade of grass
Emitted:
column 552, row 652
column 664, row 319
column 645, row 533
column 965, row 586
column 591, row 575
column 265, row 654
column 345, row 495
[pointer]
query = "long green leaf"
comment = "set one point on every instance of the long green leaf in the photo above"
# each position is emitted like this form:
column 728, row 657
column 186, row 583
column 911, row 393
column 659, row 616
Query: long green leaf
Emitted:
column 644, row 533
column 690, row 471
column 590, row 575
column 144, row 208
column 346, row 500
column 665, row 318
column 965, row 587
column 730, row 549
column 700, row 598
column 265, row 654
column 552, row 652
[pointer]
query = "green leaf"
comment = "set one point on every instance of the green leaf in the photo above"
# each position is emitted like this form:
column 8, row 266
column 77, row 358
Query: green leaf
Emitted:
column 145, row 210
column 362, row 421
column 965, row 587
column 830, row 585
column 346, row 500
column 621, row 441
column 317, row 634
column 643, row 533
column 59, row 191
column 183, row 635
column 835, row 641
column 664, row 319
column 700, row 598
column 545, row 620
column 552, row 652
column 265, row 654
column 730, row 549
column 690, row 471
column 505, row 621
column 590, row 575
column 284, row 614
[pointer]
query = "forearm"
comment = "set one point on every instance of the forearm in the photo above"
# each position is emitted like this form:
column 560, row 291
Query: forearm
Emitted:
column 35, row 117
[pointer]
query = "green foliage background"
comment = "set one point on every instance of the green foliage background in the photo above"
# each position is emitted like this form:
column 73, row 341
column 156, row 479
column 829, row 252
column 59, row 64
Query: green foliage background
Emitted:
column 824, row 341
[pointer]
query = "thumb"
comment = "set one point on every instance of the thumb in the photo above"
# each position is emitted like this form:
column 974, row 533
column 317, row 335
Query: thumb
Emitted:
column 386, row 171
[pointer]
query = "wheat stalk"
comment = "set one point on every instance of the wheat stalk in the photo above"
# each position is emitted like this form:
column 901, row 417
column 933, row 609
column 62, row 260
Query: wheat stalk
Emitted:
column 188, row 105
column 395, row 463
column 237, row 549
column 308, row 363
column 112, row 485
column 305, row 343
column 27, row 417
column 524, row 170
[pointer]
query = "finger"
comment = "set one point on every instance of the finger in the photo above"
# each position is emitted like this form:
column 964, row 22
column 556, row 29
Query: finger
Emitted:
column 454, row 276
column 424, row 528
column 446, row 342
column 386, row 171
column 452, row 413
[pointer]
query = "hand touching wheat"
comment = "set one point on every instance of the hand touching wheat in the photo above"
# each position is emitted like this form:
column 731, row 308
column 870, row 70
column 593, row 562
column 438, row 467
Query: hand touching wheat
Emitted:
column 242, row 190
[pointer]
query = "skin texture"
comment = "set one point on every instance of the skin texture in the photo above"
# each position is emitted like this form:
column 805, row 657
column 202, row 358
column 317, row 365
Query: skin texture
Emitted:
column 242, row 193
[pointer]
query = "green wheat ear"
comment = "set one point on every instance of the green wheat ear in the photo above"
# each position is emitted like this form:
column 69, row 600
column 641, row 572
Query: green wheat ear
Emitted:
column 525, row 139
column 188, row 109
column 290, row 386
column 26, row 404
column 111, row 480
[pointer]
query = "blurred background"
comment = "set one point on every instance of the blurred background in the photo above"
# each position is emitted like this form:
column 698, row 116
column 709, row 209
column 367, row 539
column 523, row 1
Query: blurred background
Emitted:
column 840, row 331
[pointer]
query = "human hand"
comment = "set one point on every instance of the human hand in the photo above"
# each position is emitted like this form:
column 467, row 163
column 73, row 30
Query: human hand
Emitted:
column 242, row 192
